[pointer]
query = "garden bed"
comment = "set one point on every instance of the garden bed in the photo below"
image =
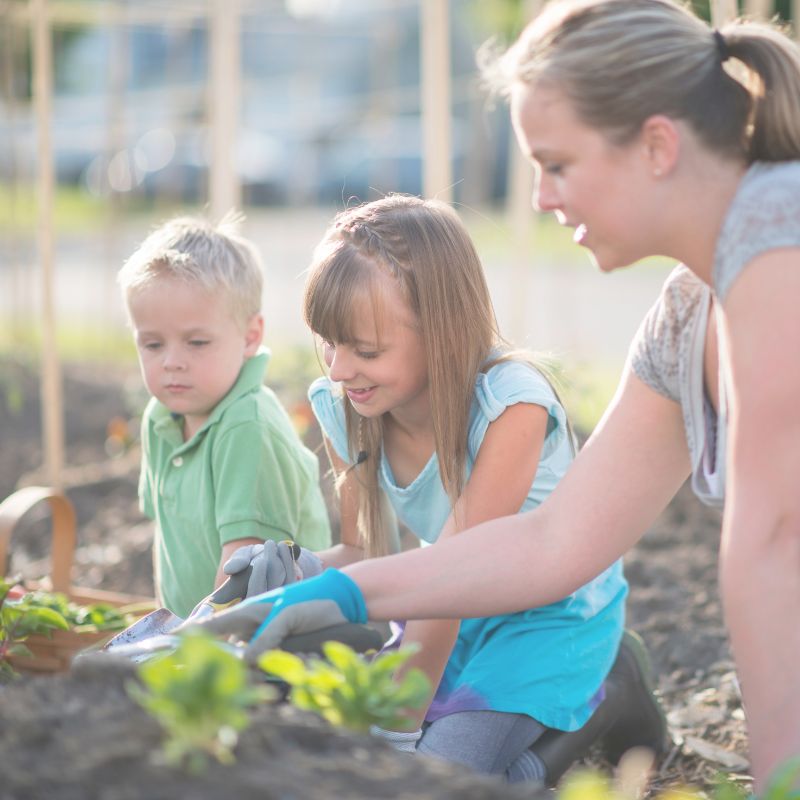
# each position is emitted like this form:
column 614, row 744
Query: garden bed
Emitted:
column 673, row 604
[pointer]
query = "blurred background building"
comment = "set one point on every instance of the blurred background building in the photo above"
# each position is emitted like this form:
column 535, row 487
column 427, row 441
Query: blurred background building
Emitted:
column 290, row 110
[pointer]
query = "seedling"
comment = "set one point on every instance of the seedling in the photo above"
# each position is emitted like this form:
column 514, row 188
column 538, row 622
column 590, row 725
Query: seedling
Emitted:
column 90, row 617
column 20, row 618
column 200, row 695
column 349, row 690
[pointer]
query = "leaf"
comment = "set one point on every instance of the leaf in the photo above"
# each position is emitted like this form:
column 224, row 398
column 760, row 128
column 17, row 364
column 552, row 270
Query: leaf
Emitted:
column 284, row 665
column 718, row 755
column 340, row 655
column 48, row 617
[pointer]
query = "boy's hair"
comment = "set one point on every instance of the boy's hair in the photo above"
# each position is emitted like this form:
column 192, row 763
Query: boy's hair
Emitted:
column 191, row 249
column 425, row 248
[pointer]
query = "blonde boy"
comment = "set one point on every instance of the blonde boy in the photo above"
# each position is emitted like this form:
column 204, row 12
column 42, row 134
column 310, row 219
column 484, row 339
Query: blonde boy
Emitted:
column 222, row 465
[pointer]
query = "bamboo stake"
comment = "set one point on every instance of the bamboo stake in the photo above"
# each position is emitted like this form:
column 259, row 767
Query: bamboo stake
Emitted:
column 521, row 220
column 8, row 54
column 759, row 9
column 52, row 409
column 224, row 184
column 723, row 11
column 437, row 173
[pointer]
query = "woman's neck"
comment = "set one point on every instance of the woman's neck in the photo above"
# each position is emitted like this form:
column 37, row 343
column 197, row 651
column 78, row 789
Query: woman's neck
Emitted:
column 705, row 189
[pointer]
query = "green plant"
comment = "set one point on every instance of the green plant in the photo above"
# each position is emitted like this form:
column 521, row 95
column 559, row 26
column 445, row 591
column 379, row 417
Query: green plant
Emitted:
column 21, row 617
column 348, row 689
column 81, row 618
column 200, row 695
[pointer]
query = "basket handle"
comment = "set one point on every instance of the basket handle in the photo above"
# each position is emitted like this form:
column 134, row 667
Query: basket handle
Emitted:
column 63, row 530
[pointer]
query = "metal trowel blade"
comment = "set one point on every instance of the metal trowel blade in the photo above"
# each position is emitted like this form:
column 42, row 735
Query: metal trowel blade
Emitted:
column 156, row 623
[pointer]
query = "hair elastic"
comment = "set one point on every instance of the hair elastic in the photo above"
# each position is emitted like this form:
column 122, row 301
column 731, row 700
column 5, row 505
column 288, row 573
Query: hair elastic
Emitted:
column 721, row 45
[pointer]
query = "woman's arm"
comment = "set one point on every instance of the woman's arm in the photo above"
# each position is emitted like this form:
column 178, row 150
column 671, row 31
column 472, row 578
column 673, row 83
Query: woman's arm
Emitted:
column 627, row 472
column 760, row 555
column 500, row 481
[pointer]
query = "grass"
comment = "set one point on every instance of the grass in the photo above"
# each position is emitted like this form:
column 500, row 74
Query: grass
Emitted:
column 585, row 388
column 74, row 209
column 75, row 342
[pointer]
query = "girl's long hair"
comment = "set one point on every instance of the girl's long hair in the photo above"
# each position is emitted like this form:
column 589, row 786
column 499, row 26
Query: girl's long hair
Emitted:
column 423, row 246
column 622, row 61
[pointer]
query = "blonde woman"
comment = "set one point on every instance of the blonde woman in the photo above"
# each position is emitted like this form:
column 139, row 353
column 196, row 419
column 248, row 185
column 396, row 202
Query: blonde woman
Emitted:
column 652, row 134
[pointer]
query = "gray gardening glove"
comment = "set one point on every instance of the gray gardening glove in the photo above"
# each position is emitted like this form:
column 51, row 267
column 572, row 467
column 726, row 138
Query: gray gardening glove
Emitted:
column 274, row 564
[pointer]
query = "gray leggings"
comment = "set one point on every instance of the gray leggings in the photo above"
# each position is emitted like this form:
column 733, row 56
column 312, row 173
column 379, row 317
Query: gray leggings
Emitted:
column 489, row 742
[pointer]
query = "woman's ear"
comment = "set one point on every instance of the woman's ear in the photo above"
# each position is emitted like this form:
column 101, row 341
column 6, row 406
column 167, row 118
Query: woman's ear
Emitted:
column 253, row 334
column 661, row 143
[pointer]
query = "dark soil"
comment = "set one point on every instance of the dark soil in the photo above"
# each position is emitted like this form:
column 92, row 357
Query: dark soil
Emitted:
column 79, row 736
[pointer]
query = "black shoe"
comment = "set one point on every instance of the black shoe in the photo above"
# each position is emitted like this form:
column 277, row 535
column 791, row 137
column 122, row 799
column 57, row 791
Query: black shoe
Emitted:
column 630, row 716
column 640, row 720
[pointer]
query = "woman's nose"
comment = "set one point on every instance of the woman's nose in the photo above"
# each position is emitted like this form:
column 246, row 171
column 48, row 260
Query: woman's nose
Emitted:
column 545, row 197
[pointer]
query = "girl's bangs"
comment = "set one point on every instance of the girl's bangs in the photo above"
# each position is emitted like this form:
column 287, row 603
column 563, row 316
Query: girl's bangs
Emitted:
column 341, row 287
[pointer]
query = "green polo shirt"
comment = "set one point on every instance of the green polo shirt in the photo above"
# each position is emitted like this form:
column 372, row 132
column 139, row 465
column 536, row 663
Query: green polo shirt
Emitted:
column 245, row 473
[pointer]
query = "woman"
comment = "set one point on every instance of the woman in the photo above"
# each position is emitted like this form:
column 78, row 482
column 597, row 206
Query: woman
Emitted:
column 650, row 134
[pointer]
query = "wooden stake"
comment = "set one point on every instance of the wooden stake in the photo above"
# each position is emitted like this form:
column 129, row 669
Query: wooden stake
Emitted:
column 723, row 11
column 224, row 184
column 759, row 9
column 437, row 173
column 52, row 409
column 521, row 221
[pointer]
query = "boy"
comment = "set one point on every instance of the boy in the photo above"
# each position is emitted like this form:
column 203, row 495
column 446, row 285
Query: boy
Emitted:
column 222, row 466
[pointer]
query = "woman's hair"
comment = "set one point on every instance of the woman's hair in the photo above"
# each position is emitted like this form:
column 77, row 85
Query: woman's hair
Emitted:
column 213, row 257
column 622, row 61
column 424, row 247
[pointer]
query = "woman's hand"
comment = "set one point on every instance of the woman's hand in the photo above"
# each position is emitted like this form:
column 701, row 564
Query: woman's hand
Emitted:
column 265, row 620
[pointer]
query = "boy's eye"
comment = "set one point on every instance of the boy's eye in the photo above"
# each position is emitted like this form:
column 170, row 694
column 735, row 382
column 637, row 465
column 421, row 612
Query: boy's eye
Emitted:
column 553, row 169
column 151, row 345
column 198, row 342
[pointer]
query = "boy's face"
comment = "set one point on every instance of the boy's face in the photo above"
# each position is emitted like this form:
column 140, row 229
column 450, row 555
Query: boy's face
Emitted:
column 190, row 346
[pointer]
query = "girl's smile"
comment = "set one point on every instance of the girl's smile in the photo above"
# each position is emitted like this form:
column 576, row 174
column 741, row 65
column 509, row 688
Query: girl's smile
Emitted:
column 358, row 396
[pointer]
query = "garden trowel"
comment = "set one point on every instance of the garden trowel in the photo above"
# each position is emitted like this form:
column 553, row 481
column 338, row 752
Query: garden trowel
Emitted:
column 161, row 622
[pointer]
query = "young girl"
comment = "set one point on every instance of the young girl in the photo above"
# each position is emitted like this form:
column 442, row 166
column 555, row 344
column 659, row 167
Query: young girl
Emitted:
column 426, row 405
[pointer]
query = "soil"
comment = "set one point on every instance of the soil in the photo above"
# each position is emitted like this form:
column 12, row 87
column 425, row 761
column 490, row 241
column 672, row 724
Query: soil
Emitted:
column 80, row 736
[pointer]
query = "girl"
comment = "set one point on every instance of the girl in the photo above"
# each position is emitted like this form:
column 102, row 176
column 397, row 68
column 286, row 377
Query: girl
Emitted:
column 426, row 406
column 651, row 134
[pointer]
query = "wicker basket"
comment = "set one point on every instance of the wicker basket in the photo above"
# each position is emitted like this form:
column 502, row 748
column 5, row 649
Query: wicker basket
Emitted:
column 54, row 653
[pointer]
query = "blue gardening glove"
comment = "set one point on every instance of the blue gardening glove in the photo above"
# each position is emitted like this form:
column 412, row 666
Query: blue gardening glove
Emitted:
column 274, row 564
column 404, row 741
column 265, row 620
